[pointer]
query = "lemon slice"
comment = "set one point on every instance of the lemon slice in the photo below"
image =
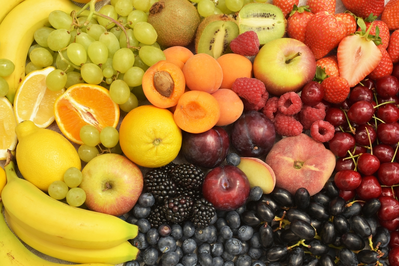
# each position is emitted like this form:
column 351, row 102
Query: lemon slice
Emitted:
column 8, row 137
column 33, row 101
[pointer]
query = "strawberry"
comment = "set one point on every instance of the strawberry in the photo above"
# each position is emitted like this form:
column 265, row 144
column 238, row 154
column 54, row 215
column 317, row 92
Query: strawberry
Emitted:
column 322, row 5
column 390, row 15
column 330, row 65
column 358, row 55
column 383, row 30
column 323, row 33
column 336, row 89
column 393, row 48
column 384, row 68
column 349, row 21
column 286, row 5
column 297, row 21
column 363, row 8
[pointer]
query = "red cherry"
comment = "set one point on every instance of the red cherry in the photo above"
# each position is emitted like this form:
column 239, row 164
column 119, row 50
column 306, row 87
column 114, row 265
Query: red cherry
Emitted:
column 388, row 173
column 389, row 208
column 347, row 194
column 368, row 83
column 344, row 164
column 383, row 152
column 391, row 225
column 369, row 188
column 358, row 150
column 368, row 164
column 393, row 256
column 389, row 113
column 341, row 143
column 395, row 71
column 388, row 133
column 312, row 93
column 394, row 241
column 362, row 135
column 387, row 192
column 360, row 112
column 394, row 99
column 347, row 179
column 335, row 117
column 387, row 86
column 361, row 93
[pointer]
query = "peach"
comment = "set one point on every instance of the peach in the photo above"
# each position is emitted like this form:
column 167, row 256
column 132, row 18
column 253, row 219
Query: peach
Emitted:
column 231, row 106
column 234, row 66
column 258, row 173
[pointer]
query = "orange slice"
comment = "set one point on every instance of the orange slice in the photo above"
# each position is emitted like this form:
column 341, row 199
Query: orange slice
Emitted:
column 85, row 104
column 33, row 101
column 8, row 137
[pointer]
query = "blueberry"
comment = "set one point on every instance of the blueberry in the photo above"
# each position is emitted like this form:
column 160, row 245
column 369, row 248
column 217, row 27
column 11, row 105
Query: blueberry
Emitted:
column 245, row 232
column 228, row 257
column 245, row 248
column 205, row 259
column 204, row 248
column 254, row 242
column 233, row 219
column 241, row 209
column 217, row 249
column 255, row 193
column 150, row 256
column 258, row 263
column 217, row 261
column 144, row 225
column 221, row 213
column 131, row 219
column 220, row 223
column 152, row 236
column 177, row 231
column 214, row 219
column 255, row 253
column 146, row 200
column 233, row 246
column 164, row 230
column 140, row 241
column 179, row 252
column 226, row 232
column 188, row 229
column 233, row 159
column 140, row 211
column 189, row 245
column 213, row 234
column 189, row 259
column 132, row 263
column 167, row 244
column 243, row 260
column 170, row 259
column 202, row 234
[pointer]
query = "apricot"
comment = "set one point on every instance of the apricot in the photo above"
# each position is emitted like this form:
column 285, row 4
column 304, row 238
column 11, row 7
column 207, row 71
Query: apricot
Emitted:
column 196, row 111
column 203, row 73
column 163, row 83
column 230, row 104
column 177, row 55
column 234, row 66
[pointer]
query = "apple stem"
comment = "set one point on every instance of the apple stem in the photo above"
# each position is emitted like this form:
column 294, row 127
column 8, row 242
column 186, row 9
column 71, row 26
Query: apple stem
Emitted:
column 293, row 57
column 107, row 186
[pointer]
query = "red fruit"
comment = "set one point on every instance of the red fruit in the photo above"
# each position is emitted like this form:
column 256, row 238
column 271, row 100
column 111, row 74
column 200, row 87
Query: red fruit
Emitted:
column 390, row 14
column 367, row 164
column 253, row 91
column 384, row 68
column 388, row 173
column 369, row 188
column 389, row 208
column 393, row 256
column 309, row 115
column 323, row 33
column 393, row 48
column 347, row 194
column 297, row 21
column 246, row 44
column 394, row 242
column 336, row 89
column 363, row 8
column 330, row 65
column 287, row 125
column 322, row 131
column 391, row 225
column 347, row 179
column 349, row 21
column 286, row 5
column 322, row 5
column 384, row 33
column 271, row 108
column 289, row 103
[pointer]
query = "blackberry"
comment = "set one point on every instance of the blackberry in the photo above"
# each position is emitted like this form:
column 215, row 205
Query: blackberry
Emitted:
column 187, row 176
column 194, row 194
column 202, row 213
column 157, row 216
column 178, row 209
column 157, row 182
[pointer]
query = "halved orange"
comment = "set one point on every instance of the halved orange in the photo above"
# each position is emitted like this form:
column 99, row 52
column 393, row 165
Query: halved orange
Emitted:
column 33, row 101
column 85, row 104
column 8, row 137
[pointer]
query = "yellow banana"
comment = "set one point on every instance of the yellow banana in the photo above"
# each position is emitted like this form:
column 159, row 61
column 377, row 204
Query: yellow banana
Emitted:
column 7, row 6
column 17, row 31
column 14, row 253
column 115, row 255
column 58, row 222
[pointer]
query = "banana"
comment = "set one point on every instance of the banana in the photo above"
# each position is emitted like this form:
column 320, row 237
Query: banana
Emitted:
column 115, row 255
column 7, row 6
column 14, row 253
column 58, row 222
column 17, row 31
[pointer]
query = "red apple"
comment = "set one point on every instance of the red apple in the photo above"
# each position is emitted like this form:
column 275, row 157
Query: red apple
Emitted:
column 226, row 187
column 112, row 184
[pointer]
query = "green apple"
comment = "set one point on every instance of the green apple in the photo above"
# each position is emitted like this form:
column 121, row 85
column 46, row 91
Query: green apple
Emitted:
column 258, row 173
column 284, row 65
column 112, row 184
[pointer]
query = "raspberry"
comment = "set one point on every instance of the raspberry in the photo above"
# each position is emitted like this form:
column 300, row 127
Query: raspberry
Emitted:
column 289, row 103
column 310, row 114
column 322, row 131
column 252, row 91
column 270, row 108
column 287, row 125
column 246, row 44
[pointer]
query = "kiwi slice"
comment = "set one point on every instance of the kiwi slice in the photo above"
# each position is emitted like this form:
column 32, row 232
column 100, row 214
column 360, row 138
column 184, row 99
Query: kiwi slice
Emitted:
column 265, row 19
column 214, row 35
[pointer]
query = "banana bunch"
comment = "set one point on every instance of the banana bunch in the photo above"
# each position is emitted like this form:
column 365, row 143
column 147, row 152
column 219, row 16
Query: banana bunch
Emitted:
column 62, row 231
column 20, row 21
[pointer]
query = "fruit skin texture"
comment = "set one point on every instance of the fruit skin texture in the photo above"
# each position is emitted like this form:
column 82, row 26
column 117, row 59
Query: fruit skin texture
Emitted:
column 14, row 46
column 112, row 184
column 324, row 5
column 363, row 8
column 390, row 14
column 297, row 21
column 384, row 67
column 285, row 5
column 336, row 89
column 175, row 21
column 279, row 77
column 43, row 155
column 393, row 48
column 3, row 179
column 299, row 162
column 258, row 173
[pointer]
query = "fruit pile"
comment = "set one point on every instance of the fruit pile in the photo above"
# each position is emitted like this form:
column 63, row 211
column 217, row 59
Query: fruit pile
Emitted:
column 186, row 132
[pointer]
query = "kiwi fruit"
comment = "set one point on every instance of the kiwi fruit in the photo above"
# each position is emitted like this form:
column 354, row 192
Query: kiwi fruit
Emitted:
column 214, row 34
column 175, row 21
column 265, row 19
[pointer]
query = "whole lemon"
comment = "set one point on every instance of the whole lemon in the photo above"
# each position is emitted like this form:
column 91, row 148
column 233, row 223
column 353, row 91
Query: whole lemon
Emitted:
column 3, row 179
column 149, row 136
column 43, row 155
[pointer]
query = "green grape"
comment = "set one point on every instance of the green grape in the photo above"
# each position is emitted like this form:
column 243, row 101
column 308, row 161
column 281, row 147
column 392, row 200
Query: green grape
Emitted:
column 221, row 5
column 41, row 35
column 58, row 39
column 98, row 52
column 73, row 177
column 155, row 44
column 139, row 63
column 123, row 21
column 151, row 55
column 63, row 64
column 139, row 93
column 6, row 67
column 77, row 53
column 195, row 1
column 31, row 67
column 217, row 11
column 130, row 104
column 86, row 153
column 116, row 31
column 91, row 73
column 206, row 8
column 108, row 63
column 113, row 2
column 120, row 76
column 112, row 43
column 73, row 33
column 83, row 24
column 109, row 81
column 119, row 91
column 108, row 72
column 136, row 16
column 76, row 197
column 84, row 39
column 90, row 135
column 133, row 76
column 153, row 2
column 107, row 10
column 234, row 5
column 60, row 20
column 41, row 57
column 145, row 33
column 123, row 60
column 58, row 190
column 123, row 7
column 3, row 87
column 133, row 42
column 73, row 78
column 109, row 137
column 56, row 80
column 95, row 31
column 143, row 5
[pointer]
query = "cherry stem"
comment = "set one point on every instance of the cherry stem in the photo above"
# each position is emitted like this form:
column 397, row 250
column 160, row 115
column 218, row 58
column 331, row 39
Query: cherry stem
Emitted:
column 394, row 155
column 354, row 201
column 353, row 158
column 353, row 131
column 371, row 145
column 383, row 103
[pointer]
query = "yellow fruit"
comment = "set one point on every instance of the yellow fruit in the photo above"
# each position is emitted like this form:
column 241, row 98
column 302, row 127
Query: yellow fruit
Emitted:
column 43, row 155
column 33, row 101
column 3, row 179
column 8, row 138
column 149, row 136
